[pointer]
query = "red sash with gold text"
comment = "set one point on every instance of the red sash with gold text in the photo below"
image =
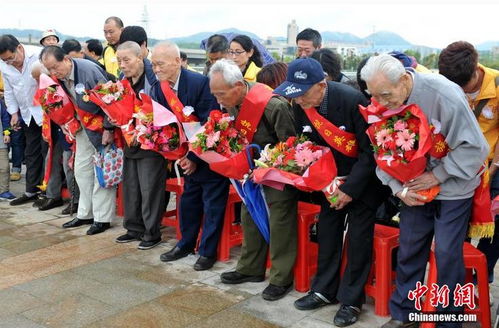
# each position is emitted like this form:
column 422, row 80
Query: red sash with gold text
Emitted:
column 341, row 140
column 176, row 105
column 252, row 109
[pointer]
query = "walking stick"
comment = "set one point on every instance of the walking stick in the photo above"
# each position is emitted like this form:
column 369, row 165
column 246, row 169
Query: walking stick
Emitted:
column 72, row 201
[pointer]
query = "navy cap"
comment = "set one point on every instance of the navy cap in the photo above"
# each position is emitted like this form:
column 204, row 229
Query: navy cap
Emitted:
column 303, row 73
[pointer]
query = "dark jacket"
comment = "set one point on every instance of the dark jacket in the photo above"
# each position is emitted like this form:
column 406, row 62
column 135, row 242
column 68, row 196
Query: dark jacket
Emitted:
column 147, row 84
column 362, row 183
column 194, row 91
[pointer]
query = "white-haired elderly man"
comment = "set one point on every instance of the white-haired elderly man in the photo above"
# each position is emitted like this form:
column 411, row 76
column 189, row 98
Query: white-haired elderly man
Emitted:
column 446, row 217
column 273, row 122
column 205, row 192
column 144, row 172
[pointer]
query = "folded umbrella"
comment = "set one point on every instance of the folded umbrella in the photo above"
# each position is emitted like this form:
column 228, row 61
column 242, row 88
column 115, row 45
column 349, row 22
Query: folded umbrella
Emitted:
column 253, row 198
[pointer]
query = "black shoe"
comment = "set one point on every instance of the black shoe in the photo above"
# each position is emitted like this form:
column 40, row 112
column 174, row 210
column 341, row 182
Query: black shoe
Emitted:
column 312, row 301
column 51, row 203
column 23, row 199
column 77, row 222
column 274, row 292
column 68, row 211
column 126, row 238
column 399, row 324
column 98, row 227
column 204, row 263
column 234, row 277
column 174, row 254
column 40, row 200
column 149, row 244
column 347, row 315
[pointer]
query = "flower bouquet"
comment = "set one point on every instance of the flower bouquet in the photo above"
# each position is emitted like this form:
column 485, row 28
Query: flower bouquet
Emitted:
column 221, row 145
column 115, row 98
column 56, row 105
column 297, row 162
column 401, row 138
column 157, row 129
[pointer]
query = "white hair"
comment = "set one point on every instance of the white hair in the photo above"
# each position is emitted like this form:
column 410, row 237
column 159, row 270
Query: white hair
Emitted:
column 384, row 64
column 130, row 45
column 168, row 46
column 230, row 71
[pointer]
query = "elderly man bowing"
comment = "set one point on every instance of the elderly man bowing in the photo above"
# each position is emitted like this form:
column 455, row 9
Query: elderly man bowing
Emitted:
column 144, row 172
column 95, row 202
column 273, row 123
column 333, row 109
column 446, row 217
column 205, row 192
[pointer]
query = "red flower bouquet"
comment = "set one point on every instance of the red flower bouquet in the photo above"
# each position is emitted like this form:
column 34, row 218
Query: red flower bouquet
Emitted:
column 297, row 162
column 221, row 145
column 115, row 98
column 156, row 128
column 401, row 139
column 56, row 105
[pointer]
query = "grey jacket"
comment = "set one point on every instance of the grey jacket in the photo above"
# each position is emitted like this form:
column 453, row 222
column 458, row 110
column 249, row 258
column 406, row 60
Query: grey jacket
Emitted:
column 445, row 102
column 89, row 75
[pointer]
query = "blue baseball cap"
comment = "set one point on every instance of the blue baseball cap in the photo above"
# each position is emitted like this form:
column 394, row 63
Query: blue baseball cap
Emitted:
column 303, row 73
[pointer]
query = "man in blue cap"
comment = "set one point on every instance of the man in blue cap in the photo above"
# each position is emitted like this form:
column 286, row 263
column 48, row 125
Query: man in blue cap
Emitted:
column 329, row 112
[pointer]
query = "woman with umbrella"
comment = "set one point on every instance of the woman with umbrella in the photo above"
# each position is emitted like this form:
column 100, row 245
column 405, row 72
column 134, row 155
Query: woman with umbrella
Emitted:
column 246, row 56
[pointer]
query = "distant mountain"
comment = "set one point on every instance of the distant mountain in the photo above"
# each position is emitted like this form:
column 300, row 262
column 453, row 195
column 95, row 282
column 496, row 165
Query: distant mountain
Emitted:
column 37, row 34
column 340, row 37
column 198, row 37
column 386, row 38
column 192, row 38
column 487, row 46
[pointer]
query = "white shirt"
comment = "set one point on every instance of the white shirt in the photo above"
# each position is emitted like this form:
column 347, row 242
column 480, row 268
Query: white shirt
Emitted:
column 20, row 88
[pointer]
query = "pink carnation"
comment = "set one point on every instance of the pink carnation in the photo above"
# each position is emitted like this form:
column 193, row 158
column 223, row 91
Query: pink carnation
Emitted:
column 405, row 140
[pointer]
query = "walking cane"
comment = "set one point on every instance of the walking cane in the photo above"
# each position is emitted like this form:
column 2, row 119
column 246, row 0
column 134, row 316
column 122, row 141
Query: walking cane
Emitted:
column 72, row 201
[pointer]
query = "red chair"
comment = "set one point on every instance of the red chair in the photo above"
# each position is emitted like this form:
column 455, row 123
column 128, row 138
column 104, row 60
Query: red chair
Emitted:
column 171, row 218
column 120, row 211
column 380, row 281
column 232, row 234
column 306, row 256
column 473, row 260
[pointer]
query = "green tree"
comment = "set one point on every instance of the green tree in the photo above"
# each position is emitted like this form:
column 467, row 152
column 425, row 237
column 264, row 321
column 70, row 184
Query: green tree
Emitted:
column 430, row 61
column 415, row 54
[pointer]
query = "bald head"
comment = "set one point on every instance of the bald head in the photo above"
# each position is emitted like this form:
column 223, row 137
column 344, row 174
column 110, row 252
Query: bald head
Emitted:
column 131, row 46
column 166, row 61
column 167, row 48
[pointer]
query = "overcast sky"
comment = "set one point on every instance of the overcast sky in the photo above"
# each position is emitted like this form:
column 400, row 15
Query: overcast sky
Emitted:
column 432, row 23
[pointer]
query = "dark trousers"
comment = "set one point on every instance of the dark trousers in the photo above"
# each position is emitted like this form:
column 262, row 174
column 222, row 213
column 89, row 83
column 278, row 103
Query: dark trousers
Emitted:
column 208, row 198
column 447, row 220
column 491, row 247
column 144, row 196
column 349, row 289
column 33, row 155
column 18, row 145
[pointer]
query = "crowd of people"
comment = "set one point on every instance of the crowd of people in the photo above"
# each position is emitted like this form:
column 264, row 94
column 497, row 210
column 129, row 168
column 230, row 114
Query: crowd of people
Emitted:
column 463, row 99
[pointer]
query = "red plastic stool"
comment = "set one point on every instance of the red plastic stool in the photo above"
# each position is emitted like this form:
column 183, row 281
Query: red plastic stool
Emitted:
column 380, row 281
column 473, row 260
column 232, row 234
column 120, row 211
column 172, row 218
column 307, row 251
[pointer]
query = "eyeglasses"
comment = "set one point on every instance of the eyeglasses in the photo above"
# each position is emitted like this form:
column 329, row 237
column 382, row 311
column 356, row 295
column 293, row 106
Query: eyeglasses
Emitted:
column 11, row 59
column 235, row 52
